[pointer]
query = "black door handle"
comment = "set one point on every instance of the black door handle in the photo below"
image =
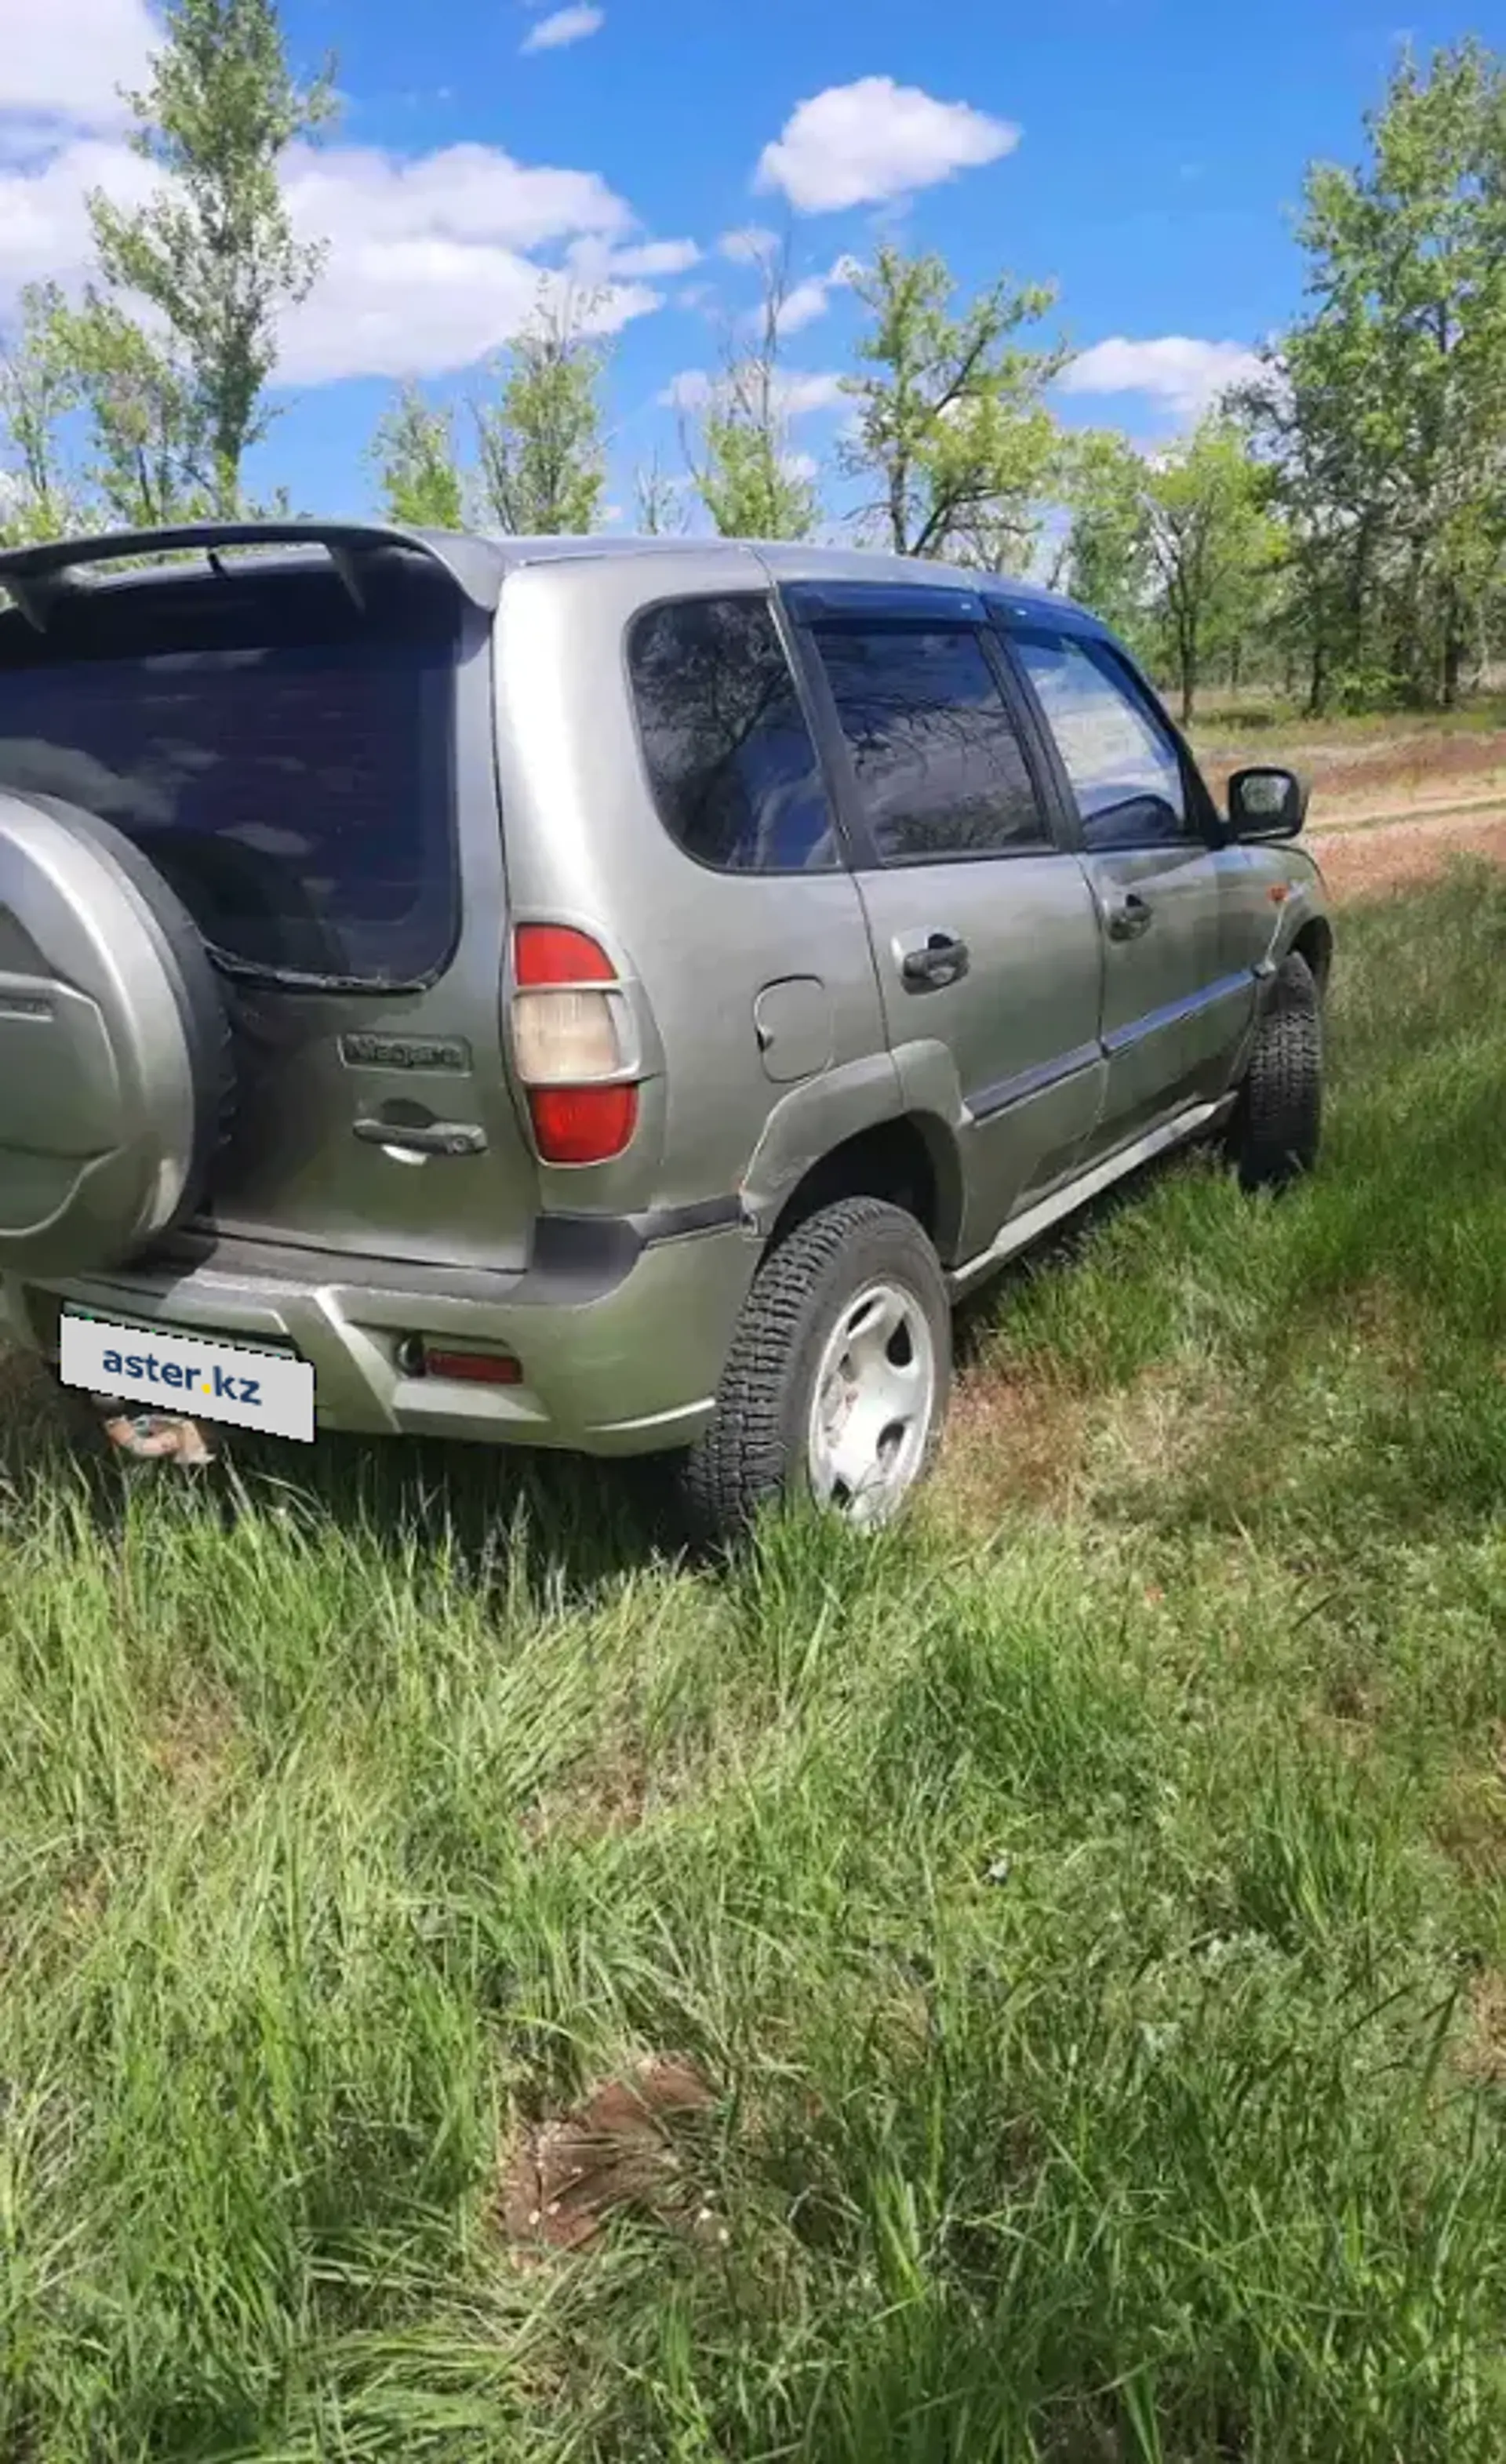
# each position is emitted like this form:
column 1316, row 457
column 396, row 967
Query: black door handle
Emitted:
column 942, row 960
column 1130, row 916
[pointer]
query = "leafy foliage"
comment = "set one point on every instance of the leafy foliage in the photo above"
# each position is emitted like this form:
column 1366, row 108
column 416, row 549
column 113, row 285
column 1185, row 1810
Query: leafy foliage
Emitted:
column 213, row 252
column 542, row 451
column 953, row 433
column 39, row 387
column 746, row 473
column 415, row 454
column 1384, row 410
column 1176, row 549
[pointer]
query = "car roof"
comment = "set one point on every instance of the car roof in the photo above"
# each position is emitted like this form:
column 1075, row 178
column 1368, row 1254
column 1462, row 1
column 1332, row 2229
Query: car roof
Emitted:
column 478, row 562
column 783, row 560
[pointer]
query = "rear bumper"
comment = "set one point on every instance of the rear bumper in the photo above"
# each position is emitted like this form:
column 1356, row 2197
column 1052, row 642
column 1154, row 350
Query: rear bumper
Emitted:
column 622, row 1340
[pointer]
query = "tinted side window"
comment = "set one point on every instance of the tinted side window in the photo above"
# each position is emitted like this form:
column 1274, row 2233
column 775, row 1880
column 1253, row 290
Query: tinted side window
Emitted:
column 939, row 766
column 1125, row 767
column 733, row 768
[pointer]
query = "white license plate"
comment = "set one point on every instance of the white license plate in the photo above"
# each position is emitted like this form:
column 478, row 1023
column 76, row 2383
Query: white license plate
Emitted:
column 185, row 1374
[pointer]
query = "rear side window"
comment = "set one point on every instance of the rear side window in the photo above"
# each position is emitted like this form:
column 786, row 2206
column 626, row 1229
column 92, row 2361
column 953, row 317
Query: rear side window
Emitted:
column 284, row 759
column 729, row 756
column 941, row 770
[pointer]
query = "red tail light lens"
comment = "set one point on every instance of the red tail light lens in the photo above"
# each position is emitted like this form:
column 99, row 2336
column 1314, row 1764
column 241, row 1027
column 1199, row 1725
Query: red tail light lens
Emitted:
column 570, row 1045
column 583, row 1124
column 555, row 953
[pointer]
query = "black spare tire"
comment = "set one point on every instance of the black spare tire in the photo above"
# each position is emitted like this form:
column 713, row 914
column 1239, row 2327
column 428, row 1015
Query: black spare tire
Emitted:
column 114, row 1046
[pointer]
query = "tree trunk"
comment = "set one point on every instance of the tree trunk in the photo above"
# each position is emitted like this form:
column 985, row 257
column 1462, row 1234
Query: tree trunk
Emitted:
column 1453, row 651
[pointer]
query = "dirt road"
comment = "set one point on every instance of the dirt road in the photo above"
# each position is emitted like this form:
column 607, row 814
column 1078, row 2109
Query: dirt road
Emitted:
column 1371, row 860
column 1389, row 807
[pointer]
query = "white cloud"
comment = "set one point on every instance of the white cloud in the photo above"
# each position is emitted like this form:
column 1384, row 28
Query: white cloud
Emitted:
column 811, row 298
column 859, row 144
column 795, row 393
column 749, row 245
column 647, row 260
column 433, row 260
column 690, row 390
column 565, row 26
column 44, row 225
column 798, row 394
column 800, row 465
column 68, row 58
column 1173, row 368
column 804, row 304
column 473, row 193
column 429, row 268
column 421, row 307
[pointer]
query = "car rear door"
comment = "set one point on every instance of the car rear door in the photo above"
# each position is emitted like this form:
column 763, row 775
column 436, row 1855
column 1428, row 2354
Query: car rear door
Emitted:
column 981, row 923
column 313, row 770
column 1177, row 1000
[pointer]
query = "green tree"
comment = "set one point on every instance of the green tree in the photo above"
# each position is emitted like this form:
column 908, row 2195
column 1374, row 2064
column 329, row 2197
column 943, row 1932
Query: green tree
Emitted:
column 953, row 433
column 421, row 482
column 1384, row 410
column 1107, row 564
column 1209, row 546
column 213, row 252
column 39, row 390
column 542, row 451
column 147, row 462
column 745, row 469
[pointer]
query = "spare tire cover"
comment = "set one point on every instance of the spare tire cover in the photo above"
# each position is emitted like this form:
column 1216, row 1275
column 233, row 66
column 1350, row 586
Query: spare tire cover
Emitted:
column 114, row 1044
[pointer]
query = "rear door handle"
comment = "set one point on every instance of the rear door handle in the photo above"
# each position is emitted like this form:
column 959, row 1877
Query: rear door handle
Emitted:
column 423, row 1137
column 927, row 966
column 1129, row 916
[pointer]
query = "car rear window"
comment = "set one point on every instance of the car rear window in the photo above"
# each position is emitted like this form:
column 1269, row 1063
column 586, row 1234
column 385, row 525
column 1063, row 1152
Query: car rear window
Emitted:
column 283, row 758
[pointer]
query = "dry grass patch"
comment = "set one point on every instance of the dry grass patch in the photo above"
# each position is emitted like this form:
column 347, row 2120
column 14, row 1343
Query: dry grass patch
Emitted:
column 626, row 2148
column 1482, row 2055
column 1397, row 857
column 1013, row 1441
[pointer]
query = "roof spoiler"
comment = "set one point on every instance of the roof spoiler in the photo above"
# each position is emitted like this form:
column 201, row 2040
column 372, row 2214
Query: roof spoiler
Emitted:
column 38, row 578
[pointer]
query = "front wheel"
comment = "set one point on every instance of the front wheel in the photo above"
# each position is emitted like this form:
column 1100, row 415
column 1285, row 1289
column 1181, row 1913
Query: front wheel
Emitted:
column 1276, row 1128
column 838, row 1379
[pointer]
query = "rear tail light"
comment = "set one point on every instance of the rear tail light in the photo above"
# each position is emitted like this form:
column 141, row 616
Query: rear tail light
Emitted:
column 569, row 1045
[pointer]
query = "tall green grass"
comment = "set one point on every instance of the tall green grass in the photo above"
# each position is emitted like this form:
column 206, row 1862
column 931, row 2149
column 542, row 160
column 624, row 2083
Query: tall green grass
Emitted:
column 1084, row 1902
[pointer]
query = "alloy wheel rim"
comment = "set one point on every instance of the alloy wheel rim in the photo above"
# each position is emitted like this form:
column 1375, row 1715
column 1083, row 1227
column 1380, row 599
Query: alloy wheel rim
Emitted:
column 872, row 1406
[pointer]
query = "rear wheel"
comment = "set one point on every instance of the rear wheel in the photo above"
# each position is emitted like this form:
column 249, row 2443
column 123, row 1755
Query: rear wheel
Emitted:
column 1277, row 1125
column 838, row 1379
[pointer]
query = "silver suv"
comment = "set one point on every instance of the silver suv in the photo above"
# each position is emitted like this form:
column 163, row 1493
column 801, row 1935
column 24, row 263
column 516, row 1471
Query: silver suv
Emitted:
column 603, row 995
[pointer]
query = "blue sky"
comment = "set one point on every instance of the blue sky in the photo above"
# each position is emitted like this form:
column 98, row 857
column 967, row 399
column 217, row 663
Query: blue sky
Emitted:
column 1144, row 155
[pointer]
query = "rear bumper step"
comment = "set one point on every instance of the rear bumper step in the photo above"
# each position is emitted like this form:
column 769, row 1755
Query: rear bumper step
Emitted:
column 625, row 1363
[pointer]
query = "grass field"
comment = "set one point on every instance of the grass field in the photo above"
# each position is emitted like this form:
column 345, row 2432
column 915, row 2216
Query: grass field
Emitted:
column 1086, row 1908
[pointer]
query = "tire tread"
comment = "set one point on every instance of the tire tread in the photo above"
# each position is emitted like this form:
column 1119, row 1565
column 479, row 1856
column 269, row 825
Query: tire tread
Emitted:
column 741, row 1462
column 1278, row 1125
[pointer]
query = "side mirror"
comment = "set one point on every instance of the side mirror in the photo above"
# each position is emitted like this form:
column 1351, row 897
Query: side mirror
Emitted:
column 1266, row 803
